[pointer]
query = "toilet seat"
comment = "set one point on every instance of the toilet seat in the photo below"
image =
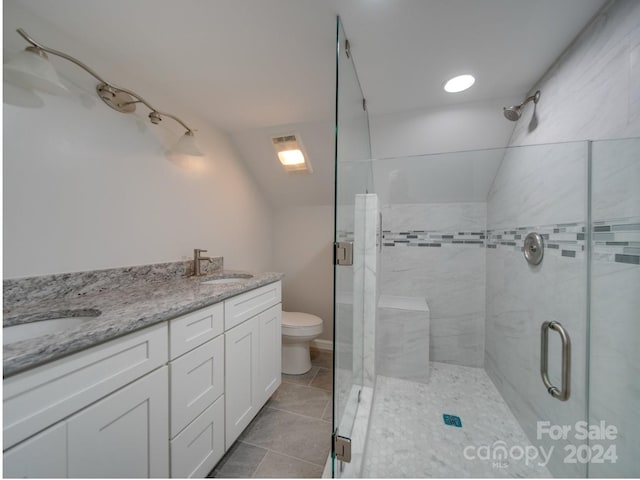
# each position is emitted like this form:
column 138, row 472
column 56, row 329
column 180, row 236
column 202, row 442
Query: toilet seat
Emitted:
column 297, row 324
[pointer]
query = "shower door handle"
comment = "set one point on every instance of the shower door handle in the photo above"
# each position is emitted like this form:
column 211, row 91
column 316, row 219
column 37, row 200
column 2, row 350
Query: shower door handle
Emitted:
column 563, row 392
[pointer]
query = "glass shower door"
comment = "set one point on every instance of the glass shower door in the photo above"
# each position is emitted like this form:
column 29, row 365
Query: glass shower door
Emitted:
column 614, row 367
column 454, row 238
column 352, row 177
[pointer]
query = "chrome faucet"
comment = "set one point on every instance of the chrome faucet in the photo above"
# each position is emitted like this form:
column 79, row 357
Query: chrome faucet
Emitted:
column 197, row 258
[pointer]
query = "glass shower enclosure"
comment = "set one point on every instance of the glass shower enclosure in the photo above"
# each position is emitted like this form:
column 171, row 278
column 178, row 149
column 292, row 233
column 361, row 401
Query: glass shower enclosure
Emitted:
column 486, row 307
column 353, row 181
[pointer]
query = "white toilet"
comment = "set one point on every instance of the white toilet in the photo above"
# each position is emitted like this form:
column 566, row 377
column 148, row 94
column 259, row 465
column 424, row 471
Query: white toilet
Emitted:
column 298, row 329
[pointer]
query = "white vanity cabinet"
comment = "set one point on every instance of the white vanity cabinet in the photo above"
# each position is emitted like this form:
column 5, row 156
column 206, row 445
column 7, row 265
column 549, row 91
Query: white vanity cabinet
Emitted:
column 76, row 416
column 165, row 401
column 253, row 355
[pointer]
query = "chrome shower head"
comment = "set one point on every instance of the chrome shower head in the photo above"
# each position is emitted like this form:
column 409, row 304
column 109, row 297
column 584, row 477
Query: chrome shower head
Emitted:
column 514, row 112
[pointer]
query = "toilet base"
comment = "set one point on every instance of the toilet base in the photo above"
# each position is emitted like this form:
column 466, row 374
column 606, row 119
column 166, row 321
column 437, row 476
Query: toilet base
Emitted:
column 296, row 358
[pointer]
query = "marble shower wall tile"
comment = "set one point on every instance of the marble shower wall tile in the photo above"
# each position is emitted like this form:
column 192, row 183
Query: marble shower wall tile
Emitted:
column 365, row 269
column 615, row 169
column 458, row 340
column 539, row 185
column 519, row 299
column 402, row 344
column 450, row 277
column 591, row 92
column 445, row 217
column 614, row 368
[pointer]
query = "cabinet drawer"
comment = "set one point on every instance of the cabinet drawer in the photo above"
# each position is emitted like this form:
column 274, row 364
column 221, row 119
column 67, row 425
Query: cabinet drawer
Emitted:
column 189, row 331
column 197, row 380
column 199, row 446
column 244, row 306
column 40, row 397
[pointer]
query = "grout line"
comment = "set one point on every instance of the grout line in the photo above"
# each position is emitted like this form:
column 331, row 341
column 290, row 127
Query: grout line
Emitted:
column 281, row 454
column 261, row 461
column 330, row 402
column 311, row 386
column 299, row 414
column 308, row 381
column 314, row 377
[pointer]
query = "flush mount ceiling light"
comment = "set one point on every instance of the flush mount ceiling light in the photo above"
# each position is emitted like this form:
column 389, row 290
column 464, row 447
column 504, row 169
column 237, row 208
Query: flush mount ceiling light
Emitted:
column 459, row 83
column 31, row 68
column 291, row 154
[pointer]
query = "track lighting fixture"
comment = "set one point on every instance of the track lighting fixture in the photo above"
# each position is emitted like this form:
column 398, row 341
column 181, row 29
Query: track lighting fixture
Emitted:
column 31, row 68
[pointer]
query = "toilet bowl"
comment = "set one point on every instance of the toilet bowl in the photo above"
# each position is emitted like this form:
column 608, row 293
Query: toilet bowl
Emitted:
column 298, row 329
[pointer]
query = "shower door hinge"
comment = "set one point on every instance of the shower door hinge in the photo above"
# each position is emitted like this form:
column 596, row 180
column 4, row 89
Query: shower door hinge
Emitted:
column 343, row 253
column 347, row 48
column 342, row 448
column 364, row 104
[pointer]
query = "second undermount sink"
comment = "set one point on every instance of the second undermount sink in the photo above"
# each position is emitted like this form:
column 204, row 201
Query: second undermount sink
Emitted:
column 227, row 279
column 39, row 328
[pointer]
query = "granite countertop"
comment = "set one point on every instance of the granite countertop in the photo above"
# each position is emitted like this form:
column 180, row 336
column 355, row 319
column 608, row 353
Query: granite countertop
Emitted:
column 128, row 299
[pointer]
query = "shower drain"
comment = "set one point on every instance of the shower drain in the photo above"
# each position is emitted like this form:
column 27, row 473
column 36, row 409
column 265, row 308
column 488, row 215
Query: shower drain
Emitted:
column 452, row 420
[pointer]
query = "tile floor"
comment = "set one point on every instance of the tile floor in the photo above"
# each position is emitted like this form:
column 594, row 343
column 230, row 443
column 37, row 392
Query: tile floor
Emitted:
column 408, row 438
column 291, row 436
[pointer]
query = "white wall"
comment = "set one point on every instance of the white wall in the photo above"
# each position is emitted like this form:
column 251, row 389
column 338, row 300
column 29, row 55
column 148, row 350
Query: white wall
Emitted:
column 466, row 126
column 303, row 242
column 88, row 188
column 303, row 214
column 281, row 188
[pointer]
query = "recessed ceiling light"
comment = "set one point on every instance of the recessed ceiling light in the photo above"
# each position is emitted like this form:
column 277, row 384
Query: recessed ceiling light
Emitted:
column 459, row 83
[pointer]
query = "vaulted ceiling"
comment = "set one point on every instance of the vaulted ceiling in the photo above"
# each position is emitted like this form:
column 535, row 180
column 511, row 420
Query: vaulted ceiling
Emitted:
column 246, row 65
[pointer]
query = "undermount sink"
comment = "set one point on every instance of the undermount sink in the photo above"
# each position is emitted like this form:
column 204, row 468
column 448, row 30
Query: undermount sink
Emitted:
column 225, row 280
column 27, row 331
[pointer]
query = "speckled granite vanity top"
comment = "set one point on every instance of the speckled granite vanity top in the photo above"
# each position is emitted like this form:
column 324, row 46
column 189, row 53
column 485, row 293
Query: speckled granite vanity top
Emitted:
column 127, row 299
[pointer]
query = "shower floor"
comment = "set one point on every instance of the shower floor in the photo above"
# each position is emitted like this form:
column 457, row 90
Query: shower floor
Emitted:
column 408, row 438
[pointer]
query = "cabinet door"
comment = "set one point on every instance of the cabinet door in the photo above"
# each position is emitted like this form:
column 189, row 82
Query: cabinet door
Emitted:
column 42, row 456
column 125, row 434
column 241, row 378
column 198, row 448
column 270, row 375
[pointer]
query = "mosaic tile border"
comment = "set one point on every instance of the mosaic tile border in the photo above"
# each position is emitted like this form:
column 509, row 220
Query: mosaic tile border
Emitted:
column 425, row 238
column 560, row 240
column 344, row 236
column 616, row 240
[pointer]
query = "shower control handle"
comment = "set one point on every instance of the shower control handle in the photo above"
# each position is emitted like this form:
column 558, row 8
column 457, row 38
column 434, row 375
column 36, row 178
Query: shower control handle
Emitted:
column 564, row 392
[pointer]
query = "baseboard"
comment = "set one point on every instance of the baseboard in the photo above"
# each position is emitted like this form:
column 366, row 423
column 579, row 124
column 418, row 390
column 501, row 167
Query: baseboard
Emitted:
column 322, row 344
